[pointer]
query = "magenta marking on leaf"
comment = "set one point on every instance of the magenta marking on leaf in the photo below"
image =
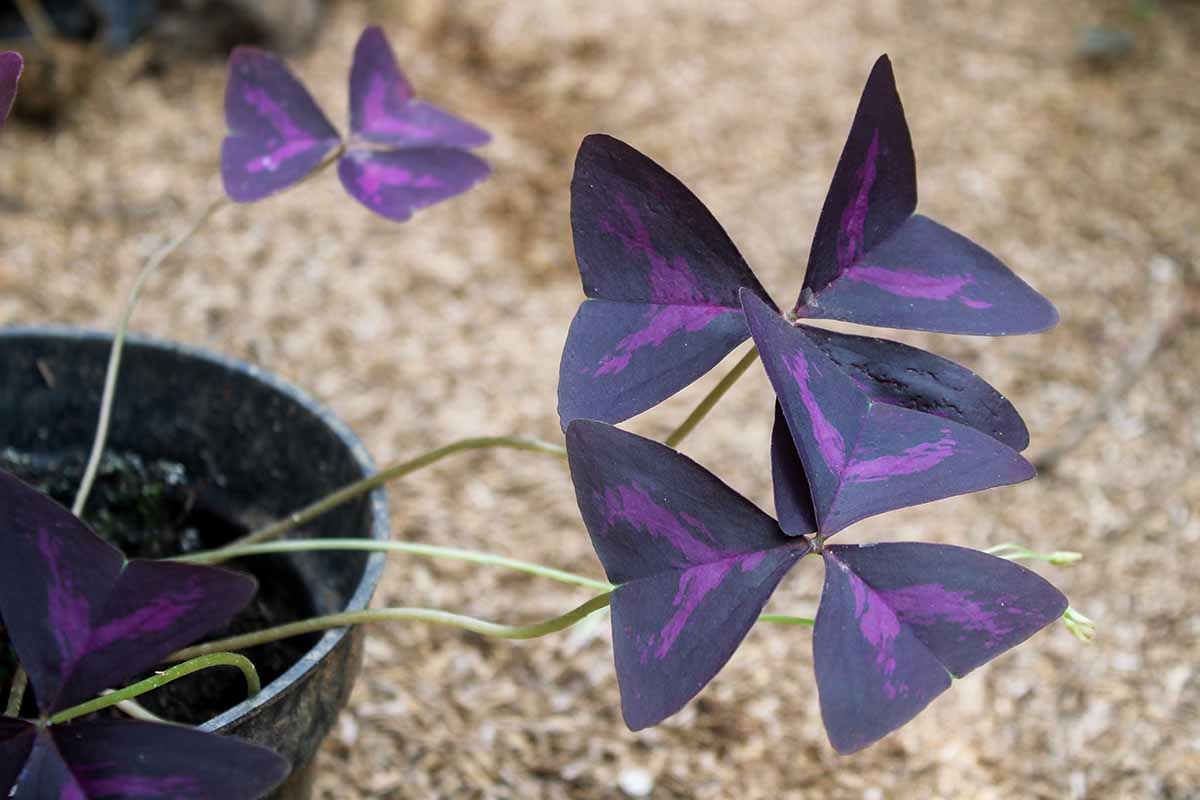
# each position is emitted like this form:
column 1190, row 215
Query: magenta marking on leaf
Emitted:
column 373, row 179
column 69, row 610
column 694, row 585
column 163, row 612
column 879, row 626
column 668, row 279
column 854, row 216
column 634, row 505
column 296, row 138
column 377, row 118
column 829, row 440
column 917, row 458
column 662, row 323
column 134, row 785
column 929, row 603
column 904, row 283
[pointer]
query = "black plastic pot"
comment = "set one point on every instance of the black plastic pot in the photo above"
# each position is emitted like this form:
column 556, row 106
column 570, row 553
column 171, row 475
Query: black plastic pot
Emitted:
column 271, row 450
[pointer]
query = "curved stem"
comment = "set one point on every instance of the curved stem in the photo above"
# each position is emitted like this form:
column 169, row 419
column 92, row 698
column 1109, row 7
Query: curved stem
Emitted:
column 1019, row 552
column 436, row 616
column 159, row 679
column 412, row 548
column 711, row 399
column 114, row 357
column 16, row 694
column 398, row 470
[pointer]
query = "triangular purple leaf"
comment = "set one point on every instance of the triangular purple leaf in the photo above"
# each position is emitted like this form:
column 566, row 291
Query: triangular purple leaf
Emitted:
column 623, row 358
column 277, row 134
column 694, row 562
column 897, row 620
column 79, row 617
column 16, row 742
column 382, row 108
column 864, row 457
column 10, row 72
column 873, row 262
column 900, row 375
column 395, row 183
column 127, row 758
column 643, row 239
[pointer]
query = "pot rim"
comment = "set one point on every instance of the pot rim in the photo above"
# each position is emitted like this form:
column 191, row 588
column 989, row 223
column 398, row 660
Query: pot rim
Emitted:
column 380, row 519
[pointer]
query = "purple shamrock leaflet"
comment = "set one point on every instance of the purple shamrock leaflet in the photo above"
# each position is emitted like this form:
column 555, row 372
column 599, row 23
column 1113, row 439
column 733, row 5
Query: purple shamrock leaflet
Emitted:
column 81, row 619
column 897, row 621
column 402, row 155
column 662, row 281
column 861, row 456
column 694, row 561
column 875, row 262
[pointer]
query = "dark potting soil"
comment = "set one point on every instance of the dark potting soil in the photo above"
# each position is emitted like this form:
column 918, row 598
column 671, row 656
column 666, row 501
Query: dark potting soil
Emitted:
column 155, row 509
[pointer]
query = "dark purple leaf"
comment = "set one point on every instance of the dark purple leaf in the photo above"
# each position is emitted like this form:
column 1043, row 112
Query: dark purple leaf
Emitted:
column 894, row 373
column 277, row 134
column 119, row 759
column 395, row 183
column 382, row 108
column 864, row 457
column 80, row 618
column 897, row 620
column 623, row 358
column 46, row 775
column 16, row 742
column 643, row 240
column 694, row 562
column 10, row 72
column 873, row 262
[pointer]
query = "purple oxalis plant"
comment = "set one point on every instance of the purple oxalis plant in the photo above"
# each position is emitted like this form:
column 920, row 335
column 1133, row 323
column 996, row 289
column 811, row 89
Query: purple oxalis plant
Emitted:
column 402, row 155
column 695, row 563
column 81, row 619
column 662, row 276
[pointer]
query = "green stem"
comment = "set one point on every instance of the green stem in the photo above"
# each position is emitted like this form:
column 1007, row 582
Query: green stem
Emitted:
column 398, row 470
column 786, row 619
column 711, row 399
column 1019, row 552
column 412, row 548
column 114, row 357
column 482, row 627
column 159, row 679
column 17, row 693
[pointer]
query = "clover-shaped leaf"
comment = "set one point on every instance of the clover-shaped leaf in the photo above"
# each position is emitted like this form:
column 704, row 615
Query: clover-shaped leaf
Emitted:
column 81, row 618
column 861, row 456
column 694, row 562
column 897, row 621
column 402, row 155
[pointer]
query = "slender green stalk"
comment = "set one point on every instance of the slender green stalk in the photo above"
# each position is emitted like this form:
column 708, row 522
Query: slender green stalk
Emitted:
column 398, row 470
column 412, row 548
column 16, row 694
column 786, row 619
column 433, row 615
column 711, row 399
column 159, row 679
column 114, row 357
column 1019, row 552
